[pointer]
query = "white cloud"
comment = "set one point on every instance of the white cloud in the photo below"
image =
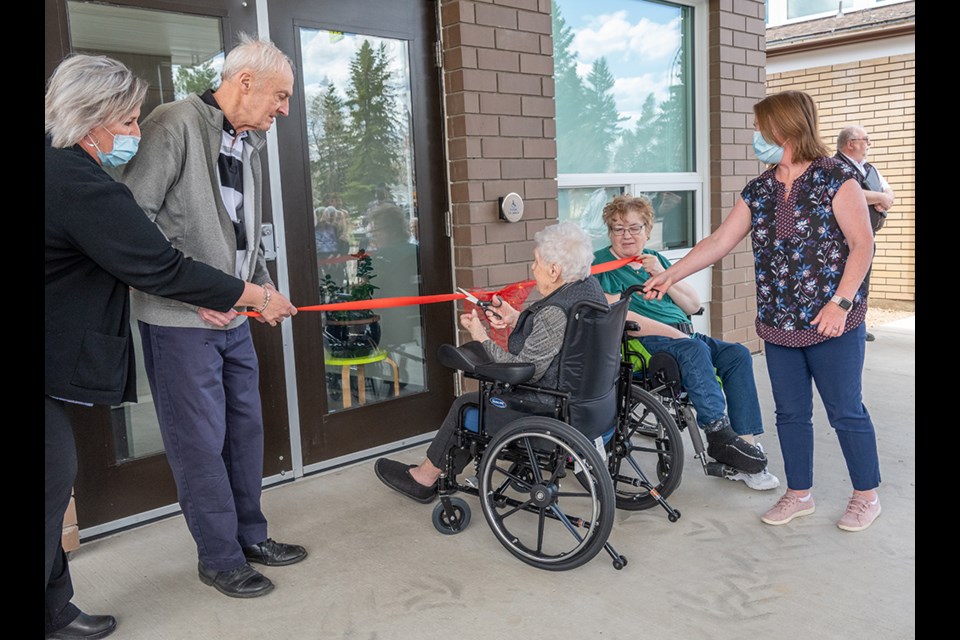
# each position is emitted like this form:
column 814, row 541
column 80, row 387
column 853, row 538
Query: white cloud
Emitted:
column 611, row 34
column 630, row 93
column 326, row 61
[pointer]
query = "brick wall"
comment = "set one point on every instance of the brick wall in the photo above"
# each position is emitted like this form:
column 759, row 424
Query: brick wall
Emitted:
column 737, row 34
column 877, row 94
column 498, row 74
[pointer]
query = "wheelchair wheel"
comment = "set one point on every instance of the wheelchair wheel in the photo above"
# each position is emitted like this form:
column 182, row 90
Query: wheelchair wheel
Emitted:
column 451, row 525
column 533, row 503
column 651, row 444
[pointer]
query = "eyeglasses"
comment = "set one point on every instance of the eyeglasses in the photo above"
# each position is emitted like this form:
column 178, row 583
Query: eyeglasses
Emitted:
column 867, row 140
column 633, row 229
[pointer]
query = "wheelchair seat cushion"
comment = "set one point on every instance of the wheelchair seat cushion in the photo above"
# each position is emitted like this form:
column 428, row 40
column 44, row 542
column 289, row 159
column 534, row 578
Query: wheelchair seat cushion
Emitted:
column 466, row 357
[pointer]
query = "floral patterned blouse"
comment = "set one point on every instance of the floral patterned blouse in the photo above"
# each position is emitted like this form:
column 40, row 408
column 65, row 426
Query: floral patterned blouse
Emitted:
column 799, row 252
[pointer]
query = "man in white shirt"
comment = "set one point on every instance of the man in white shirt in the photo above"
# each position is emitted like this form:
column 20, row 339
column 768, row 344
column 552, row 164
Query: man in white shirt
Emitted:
column 853, row 144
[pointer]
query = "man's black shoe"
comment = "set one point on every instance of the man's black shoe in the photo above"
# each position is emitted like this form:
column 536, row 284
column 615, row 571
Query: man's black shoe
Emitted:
column 242, row 582
column 724, row 445
column 274, row 554
column 396, row 475
column 86, row 628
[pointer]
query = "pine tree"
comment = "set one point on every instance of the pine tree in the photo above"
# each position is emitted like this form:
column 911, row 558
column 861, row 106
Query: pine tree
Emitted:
column 372, row 129
column 570, row 95
column 602, row 118
column 636, row 151
column 331, row 147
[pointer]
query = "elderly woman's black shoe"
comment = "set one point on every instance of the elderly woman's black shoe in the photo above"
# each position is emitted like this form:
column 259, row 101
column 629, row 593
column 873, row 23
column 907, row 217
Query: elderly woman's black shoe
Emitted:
column 396, row 475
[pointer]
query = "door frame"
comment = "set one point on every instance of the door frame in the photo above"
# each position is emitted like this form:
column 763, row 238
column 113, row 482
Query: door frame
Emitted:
column 155, row 494
column 295, row 186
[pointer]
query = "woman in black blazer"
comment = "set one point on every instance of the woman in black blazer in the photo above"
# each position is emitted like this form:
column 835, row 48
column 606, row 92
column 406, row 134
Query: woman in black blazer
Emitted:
column 97, row 244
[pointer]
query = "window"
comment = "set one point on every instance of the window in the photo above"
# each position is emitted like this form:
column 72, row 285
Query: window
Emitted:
column 625, row 79
column 789, row 11
column 176, row 54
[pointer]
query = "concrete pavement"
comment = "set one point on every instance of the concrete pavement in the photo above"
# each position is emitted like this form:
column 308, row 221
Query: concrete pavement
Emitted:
column 378, row 570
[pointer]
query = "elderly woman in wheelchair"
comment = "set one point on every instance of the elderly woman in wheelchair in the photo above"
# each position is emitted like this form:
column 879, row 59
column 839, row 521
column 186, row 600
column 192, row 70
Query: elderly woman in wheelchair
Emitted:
column 717, row 376
column 542, row 430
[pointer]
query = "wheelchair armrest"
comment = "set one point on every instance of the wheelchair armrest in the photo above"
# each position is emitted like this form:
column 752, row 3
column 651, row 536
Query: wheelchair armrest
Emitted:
column 698, row 312
column 506, row 372
column 631, row 325
column 466, row 357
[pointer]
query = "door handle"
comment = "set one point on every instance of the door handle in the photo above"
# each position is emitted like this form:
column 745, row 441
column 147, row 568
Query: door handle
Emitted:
column 268, row 241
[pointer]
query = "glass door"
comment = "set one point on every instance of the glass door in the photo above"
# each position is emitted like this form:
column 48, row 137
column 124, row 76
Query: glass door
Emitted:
column 123, row 471
column 364, row 198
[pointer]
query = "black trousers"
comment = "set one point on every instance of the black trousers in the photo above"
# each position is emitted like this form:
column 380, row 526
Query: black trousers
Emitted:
column 59, row 472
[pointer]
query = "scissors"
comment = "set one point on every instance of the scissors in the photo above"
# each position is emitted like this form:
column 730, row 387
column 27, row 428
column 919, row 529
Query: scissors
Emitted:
column 485, row 305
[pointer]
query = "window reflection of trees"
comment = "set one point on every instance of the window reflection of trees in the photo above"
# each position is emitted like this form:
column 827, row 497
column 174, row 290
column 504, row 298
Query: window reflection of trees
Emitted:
column 591, row 136
column 358, row 132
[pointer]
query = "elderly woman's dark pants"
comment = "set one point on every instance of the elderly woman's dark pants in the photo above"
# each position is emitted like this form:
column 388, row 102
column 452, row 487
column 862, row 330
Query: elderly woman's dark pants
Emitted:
column 836, row 367
column 60, row 470
column 205, row 385
column 494, row 420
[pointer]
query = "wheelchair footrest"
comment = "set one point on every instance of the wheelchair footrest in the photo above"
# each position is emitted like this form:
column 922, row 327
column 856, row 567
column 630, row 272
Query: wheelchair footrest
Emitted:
column 719, row 470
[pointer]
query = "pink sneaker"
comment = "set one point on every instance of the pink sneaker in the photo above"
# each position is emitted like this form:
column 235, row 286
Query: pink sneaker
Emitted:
column 788, row 507
column 860, row 513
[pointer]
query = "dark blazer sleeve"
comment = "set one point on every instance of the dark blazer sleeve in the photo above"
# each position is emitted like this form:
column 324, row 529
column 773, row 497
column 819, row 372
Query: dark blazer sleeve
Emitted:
column 107, row 225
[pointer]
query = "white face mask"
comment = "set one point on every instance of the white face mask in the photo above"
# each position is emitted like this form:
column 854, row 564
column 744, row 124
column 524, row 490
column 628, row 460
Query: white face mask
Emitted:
column 766, row 152
column 124, row 148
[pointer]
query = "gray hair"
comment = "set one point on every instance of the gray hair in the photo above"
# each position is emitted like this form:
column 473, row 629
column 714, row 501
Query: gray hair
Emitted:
column 846, row 134
column 569, row 247
column 86, row 91
column 262, row 57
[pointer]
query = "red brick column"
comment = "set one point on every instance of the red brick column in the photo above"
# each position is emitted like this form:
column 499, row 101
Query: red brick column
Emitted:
column 498, row 75
column 737, row 37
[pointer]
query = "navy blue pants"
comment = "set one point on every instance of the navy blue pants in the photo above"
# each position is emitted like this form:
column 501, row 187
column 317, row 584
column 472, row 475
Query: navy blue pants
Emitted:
column 205, row 385
column 836, row 367
column 59, row 472
column 698, row 357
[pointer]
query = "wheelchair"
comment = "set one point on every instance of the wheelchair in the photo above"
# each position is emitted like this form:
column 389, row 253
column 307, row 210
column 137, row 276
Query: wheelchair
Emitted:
column 550, row 479
column 658, row 375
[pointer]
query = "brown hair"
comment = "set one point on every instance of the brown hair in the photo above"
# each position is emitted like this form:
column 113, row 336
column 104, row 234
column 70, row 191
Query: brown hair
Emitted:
column 791, row 115
column 618, row 208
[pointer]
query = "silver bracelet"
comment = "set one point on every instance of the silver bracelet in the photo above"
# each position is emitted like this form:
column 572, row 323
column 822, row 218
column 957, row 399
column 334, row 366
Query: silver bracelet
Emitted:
column 266, row 300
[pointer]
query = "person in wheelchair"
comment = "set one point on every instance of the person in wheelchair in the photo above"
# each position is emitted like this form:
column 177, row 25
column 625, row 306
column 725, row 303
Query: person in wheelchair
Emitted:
column 728, row 409
column 561, row 268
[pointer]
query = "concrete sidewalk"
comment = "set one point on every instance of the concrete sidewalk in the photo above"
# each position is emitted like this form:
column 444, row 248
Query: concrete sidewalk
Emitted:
column 378, row 569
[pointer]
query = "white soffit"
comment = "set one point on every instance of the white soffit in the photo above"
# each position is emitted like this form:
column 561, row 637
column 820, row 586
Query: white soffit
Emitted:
column 841, row 54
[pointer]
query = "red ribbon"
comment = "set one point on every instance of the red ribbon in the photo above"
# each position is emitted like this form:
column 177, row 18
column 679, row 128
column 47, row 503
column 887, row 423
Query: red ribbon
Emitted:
column 514, row 293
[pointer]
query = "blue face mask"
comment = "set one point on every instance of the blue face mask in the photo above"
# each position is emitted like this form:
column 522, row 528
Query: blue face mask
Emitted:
column 124, row 148
column 766, row 152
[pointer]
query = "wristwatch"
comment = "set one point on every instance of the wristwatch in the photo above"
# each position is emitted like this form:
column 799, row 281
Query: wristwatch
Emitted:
column 842, row 302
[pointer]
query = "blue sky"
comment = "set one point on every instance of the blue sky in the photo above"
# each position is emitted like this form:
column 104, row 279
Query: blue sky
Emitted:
column 638, row 39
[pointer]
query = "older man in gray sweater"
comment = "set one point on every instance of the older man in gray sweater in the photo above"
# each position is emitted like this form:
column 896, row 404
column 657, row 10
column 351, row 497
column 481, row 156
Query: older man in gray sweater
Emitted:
column 198, row 176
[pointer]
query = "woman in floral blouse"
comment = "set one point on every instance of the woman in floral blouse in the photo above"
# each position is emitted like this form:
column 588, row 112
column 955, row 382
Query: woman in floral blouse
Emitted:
column 812, row 246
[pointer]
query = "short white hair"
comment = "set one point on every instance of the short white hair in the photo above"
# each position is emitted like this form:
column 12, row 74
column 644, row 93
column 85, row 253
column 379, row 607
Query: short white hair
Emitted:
column 262, row 57
column 569, row 247
column 86, row 91
column 848, row 133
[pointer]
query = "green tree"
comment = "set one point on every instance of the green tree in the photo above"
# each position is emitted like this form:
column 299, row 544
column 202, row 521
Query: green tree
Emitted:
column 373, row 129
column 636, row 151
column 196, row 79
column 570, row 95
column 601, row 118
column 330, row 144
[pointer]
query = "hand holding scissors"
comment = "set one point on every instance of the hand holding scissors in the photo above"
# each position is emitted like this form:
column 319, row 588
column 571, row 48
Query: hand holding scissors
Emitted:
column 485, row 305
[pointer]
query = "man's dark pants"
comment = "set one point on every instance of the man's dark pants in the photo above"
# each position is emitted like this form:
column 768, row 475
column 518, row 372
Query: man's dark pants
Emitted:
column 205, row 385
